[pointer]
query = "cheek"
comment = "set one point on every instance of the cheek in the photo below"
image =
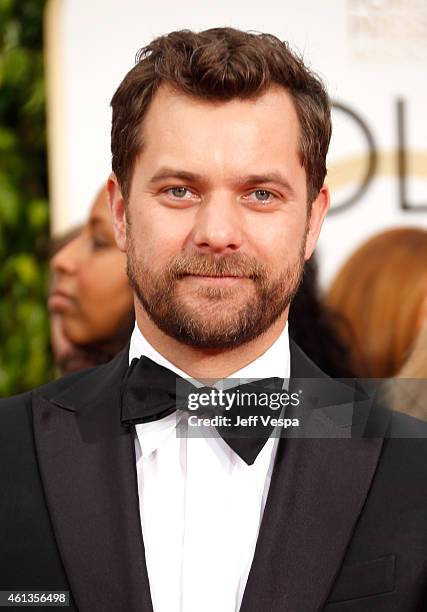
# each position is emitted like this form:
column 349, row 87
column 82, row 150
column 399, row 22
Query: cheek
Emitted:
column 160, row 237
column 277, row 243
column 103, row 284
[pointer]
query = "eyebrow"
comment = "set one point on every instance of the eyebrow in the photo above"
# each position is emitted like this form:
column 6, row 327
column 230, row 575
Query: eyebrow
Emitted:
column 269, row 177
column 251, row 179
column 166, row 173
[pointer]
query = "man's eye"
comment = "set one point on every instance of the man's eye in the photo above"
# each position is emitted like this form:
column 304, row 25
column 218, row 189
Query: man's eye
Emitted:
column 261, row 195
column 179, row 192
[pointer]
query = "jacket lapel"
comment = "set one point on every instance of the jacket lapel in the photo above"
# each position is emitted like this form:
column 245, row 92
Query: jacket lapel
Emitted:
column 87, row 464
column 318, row 488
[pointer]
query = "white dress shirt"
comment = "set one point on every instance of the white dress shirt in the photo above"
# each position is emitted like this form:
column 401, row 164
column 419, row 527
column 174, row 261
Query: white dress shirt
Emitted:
column 200, row 504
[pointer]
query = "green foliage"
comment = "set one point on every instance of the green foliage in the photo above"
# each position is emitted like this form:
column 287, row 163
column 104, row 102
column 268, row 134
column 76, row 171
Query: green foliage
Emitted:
column 25, row 357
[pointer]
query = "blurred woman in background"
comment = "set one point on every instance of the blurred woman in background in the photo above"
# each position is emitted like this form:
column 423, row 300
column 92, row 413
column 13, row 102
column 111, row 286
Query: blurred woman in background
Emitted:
column 90, row 302
column 380, row 300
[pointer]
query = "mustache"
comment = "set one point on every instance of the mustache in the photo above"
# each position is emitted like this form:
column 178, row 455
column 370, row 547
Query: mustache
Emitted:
column 235, row 264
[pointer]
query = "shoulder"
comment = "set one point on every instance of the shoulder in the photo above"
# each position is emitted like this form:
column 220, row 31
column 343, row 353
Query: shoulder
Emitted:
column 15, row 411
column 17, row 446
column 22, row 401
column 14, row 414
column 77, row 387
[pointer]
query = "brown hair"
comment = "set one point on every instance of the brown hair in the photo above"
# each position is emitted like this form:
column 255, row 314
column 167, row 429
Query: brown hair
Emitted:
column 218, row 65
column 378, row 296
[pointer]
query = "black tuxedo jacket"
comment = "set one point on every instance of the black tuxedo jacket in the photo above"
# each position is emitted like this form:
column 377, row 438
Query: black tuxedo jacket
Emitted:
column 344, row 527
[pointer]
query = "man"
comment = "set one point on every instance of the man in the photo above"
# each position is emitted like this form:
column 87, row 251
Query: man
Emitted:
column 219, row 142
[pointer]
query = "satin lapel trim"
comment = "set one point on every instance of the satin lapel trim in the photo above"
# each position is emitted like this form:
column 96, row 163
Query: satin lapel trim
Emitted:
column 87, row 464
column 317, row 492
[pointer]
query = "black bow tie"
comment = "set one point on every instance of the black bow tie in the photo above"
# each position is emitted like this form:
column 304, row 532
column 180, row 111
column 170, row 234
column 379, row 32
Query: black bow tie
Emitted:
column 151, row 392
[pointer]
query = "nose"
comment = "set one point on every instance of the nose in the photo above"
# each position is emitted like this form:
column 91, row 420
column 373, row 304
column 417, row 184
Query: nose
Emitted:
column 66, row 260
column 218, row 226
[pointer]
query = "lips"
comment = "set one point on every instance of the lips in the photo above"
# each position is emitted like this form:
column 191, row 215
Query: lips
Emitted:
column 214, row 279
column 215, row 275
column 60, row 301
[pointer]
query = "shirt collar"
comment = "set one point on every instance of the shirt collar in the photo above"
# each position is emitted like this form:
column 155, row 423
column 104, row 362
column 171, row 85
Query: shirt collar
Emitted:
column 275, row 362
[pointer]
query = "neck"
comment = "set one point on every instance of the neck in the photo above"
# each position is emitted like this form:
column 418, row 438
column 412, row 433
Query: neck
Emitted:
column 207, row 363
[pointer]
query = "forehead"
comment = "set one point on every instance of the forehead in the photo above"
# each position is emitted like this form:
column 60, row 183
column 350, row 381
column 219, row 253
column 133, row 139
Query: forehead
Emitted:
column 237, row 132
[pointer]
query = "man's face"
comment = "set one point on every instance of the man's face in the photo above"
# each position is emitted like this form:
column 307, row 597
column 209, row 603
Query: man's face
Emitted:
column 216, row 228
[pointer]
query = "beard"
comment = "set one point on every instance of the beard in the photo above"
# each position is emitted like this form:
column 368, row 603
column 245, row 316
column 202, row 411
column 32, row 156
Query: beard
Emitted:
column 210, row 317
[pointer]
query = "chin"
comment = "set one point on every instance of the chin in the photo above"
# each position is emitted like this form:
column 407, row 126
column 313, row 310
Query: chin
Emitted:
column 79, row 334
column 216, row 298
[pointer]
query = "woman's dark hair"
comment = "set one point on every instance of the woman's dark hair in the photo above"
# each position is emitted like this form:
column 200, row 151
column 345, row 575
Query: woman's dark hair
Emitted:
column 313, row 327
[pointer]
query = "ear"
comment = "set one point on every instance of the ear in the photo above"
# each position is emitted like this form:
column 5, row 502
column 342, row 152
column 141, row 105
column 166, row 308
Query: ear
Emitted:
column 118, row 211
column 319, row 208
